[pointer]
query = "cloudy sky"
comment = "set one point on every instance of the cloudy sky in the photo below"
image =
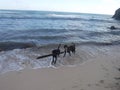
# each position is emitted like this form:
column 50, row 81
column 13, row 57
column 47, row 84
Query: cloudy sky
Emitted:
column 84, row 6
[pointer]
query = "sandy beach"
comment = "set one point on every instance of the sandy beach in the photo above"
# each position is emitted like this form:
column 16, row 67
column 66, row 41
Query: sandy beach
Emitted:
column 101, row 72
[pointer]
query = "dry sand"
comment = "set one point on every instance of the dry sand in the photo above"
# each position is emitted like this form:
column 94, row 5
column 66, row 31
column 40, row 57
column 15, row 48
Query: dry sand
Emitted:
column 99, row 73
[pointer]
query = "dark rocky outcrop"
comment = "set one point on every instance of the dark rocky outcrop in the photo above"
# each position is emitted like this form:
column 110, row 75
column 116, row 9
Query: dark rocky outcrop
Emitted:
column 117, row 14
column 112, row 27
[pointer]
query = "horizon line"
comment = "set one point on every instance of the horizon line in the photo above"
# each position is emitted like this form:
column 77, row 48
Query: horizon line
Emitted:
column 52, row 11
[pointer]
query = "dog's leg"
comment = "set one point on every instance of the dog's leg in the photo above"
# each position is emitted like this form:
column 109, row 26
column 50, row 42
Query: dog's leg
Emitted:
column 53, row 60
column 64, row 53
column 69, row 53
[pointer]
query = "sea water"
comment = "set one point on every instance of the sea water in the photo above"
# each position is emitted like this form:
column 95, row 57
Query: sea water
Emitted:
column 41, row 28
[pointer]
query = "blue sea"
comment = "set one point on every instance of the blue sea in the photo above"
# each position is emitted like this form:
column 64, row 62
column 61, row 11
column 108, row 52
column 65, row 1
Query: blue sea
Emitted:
column 19, row 29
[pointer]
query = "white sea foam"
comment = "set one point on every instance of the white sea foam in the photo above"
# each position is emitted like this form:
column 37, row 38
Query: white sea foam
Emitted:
column 63, row 15
column 19, row 59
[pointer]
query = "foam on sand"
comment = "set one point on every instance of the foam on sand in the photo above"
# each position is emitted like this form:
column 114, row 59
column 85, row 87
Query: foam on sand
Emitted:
column 98, row 73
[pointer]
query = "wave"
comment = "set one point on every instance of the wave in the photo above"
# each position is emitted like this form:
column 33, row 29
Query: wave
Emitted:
column 15, row 45
column 56, row 17
column 103, row 33
column 79, row 17
column 40, row 18
column 63, row 15
column 18, row 59
column 38, row 38
column 82, row 37
column 101, row 20
column 50, row 18
column 5, row 46
column 46, row 15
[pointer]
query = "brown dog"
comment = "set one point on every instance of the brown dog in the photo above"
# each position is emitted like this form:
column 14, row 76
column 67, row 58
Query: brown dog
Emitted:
column 69, row 49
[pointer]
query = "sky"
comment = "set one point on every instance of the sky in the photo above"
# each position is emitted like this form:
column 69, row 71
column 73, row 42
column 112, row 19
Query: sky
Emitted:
column 82, row 6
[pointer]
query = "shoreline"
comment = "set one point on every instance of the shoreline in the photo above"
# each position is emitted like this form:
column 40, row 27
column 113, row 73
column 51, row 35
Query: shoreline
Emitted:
column 18, row 59
column 97, row 73
column 6, row 46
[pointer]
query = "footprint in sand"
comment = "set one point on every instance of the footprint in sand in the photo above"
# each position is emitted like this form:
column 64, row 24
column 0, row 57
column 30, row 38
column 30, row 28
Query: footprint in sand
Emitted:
column 89, row 85
column 81, row 89
column 101, row 81
column 75, row 86
column 97, row 84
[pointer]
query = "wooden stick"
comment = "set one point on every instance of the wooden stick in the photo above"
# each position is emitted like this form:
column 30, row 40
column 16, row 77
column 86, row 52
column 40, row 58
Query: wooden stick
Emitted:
column 47, row 55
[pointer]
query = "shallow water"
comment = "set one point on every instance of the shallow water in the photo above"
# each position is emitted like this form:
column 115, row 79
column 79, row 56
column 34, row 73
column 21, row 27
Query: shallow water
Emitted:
column 18, row 59
column 25, row 35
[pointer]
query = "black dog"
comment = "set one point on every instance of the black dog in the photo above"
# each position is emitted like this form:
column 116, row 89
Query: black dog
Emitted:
column 72, row 48
column 69, row 49
column 55, row 54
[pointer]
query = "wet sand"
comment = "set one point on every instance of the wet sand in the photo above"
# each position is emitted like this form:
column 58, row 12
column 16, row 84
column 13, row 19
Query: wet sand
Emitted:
column 98, row 73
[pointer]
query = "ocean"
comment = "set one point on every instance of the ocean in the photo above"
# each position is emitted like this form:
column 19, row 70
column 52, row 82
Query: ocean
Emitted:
column 35, row 29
